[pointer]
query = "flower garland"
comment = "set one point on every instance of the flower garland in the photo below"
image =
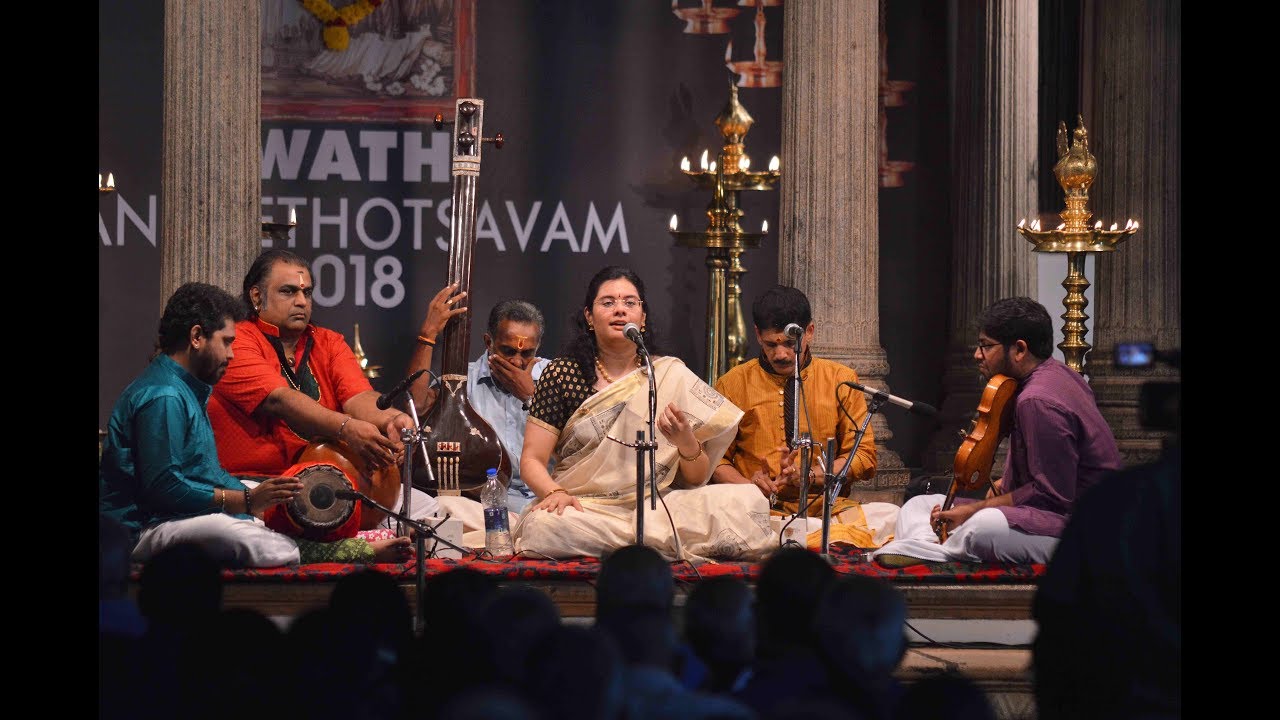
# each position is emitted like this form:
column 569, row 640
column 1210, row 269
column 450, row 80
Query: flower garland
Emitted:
column 336, row 22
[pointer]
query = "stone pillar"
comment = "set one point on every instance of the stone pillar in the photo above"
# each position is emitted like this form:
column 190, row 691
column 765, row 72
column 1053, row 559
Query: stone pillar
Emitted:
column 993, row 186
column 210, row 226
column 828, row 245
column 1133, row 100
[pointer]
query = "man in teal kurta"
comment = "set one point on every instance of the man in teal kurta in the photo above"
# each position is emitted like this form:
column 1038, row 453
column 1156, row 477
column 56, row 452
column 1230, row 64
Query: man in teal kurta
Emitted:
column 160, row 474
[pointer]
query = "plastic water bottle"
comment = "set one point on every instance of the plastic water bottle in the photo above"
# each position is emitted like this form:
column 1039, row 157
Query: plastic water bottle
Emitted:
column 497, row 527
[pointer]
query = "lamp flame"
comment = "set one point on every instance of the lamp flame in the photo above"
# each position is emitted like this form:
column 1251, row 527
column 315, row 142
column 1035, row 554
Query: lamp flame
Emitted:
column 774, row 164
column 684, row 163
column 703, row 162
column 764, row 226
column 713, row 167
column 744, row 162
column 674, row 221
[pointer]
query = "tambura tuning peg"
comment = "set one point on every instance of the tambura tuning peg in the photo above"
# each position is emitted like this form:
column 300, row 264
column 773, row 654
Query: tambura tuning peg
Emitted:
column 438, row 121
column 497, row 141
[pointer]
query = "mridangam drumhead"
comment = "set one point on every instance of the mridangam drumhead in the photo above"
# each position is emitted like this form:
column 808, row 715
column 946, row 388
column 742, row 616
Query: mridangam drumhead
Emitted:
column 317, row 513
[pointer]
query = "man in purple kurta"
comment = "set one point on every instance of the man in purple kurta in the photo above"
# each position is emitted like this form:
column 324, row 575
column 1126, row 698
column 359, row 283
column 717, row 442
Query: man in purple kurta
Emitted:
column 1058, row 448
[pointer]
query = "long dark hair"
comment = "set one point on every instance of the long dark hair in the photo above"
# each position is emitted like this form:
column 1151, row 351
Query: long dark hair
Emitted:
column 582, row 345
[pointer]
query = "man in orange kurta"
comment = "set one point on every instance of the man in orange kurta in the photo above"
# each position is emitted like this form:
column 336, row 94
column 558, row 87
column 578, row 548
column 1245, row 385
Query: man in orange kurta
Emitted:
column 763, row 453
column 292, row 381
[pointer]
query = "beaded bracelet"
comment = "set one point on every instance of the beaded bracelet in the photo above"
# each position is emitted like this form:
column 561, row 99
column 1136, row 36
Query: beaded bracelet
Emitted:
column 426, row 341
column 343, row 425
column 221, row 496
column 248, row 503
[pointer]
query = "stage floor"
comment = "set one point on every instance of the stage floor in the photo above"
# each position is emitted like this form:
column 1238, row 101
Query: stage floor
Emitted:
column 933, row 590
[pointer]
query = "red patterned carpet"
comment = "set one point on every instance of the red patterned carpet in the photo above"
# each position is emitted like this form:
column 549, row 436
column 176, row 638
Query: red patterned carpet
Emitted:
column 845, row 559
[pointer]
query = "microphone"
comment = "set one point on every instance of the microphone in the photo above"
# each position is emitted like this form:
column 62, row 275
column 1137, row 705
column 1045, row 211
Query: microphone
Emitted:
column 632, row 331
column 793, row 330
column 918, row 408
column 348, row 495
column 385, row 400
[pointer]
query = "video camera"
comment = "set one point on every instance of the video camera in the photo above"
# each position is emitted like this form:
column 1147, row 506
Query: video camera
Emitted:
column 1159, row 401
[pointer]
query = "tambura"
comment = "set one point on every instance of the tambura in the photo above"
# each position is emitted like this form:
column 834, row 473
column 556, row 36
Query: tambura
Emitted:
column 317, row 513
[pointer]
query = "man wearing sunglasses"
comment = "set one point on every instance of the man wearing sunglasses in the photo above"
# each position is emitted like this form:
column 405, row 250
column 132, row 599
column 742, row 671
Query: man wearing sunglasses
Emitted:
column 500, row 382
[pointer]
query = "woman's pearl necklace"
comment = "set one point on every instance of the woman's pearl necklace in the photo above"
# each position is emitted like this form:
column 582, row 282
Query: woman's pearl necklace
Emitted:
column 605, row 373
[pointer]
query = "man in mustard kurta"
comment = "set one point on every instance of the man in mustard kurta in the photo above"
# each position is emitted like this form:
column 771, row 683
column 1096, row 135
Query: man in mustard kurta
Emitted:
column 764, row 453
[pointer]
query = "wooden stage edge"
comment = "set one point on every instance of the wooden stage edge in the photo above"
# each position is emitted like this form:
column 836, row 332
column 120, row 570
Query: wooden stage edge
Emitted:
column 576, row 599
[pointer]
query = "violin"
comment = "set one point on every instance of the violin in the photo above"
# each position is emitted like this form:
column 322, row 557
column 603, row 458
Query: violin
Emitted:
column 971, row 469
column 460, row 445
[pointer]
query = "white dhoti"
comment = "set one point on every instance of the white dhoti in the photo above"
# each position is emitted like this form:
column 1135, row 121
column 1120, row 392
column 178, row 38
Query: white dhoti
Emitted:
column 984, row 537
column 231, row 542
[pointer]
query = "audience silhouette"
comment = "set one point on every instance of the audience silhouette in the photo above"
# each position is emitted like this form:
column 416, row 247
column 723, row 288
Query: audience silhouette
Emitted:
column 452, row 656
column 859, row 625
column 949, row 695
column 720, row 629
column 1109, row 607
column 575, row 673
column 788, row 669
column 216, row 650
column 516, row 620
column 828, row 647
column 634, row 597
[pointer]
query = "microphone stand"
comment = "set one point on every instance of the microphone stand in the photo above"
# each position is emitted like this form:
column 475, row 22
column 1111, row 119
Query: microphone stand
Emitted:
column 828, row 477
column 804, row 442
column 409, row 438
column 652, row 446
column 833, row 485
column 422, row 531
column 643, row 448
